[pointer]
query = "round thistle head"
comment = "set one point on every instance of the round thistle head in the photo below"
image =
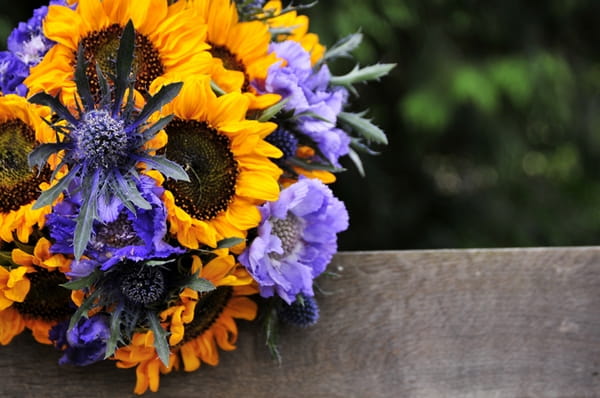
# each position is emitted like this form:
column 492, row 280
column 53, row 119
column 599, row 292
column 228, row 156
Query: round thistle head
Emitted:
column 303, row 312
column 143, row 285
column 284, row 140
column 100, row 140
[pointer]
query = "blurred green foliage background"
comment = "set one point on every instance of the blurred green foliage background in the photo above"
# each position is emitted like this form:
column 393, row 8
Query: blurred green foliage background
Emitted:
column 493, row 117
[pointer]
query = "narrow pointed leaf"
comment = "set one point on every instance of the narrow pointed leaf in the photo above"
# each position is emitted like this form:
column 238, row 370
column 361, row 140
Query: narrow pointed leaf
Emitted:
column 82, row 282
column 82, row 82
column 54, row 103
column 150, row 132
column 130, row 191
column 314, row 166
column 359, row 75
column 169, row 168
column 343, row 47
column 217, row 90
column 105, row 96
column 229, row 242
column 40, row 154
column 357, row 162
column 115, row 332
column 160, row 338
column 124, row 62
column 273, row 110
column 200, row 285
column 163, row 97
column 364, row 127
column 85, row 220
column 83, row 309
column 49, row 195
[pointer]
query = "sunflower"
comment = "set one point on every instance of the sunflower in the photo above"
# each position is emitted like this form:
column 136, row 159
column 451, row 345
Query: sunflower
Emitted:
column 168, row 40
column 30, row 295
column 227, row 161
column 240, row 50
column 197, row 324
column 298, row 25
column 21, row 129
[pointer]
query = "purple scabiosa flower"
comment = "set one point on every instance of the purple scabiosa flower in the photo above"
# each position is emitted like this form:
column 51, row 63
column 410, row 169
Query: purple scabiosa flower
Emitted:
column 117, row 235
column 314, row 102
column 12, row 73
column 296, row 239
column 27, row 45
column 85, row 343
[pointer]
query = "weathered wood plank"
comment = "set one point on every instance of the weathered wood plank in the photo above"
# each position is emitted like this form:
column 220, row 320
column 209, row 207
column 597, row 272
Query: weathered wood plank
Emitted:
column 447, row 323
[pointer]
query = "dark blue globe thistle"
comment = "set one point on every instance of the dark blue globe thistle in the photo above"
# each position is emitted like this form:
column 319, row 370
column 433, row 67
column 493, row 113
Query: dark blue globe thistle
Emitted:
column 303, row 312
column 103, row 144
column 285, row 141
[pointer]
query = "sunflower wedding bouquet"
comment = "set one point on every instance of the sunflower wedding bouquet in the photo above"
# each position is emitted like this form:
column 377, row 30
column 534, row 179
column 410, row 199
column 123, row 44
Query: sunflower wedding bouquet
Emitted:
column 164, row 169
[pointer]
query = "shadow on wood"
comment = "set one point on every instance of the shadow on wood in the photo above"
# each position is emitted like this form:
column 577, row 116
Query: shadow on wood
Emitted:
column 445, row 323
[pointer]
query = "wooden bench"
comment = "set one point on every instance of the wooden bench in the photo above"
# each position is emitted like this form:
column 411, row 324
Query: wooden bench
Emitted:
column 438, row 323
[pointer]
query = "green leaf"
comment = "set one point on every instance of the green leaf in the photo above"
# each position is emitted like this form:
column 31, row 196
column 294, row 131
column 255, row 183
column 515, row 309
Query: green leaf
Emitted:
column 155, row 263
column 314, row 166
column 49, row 195
column 364, row 127
column 271, row 326
column 169, row 168
column 271, row 111
column 126, row 188
column 104, row 88
column 200, row 285
column 360, row 75
column 229, row 242
column 218, row 90
column 124, row 62
column 151, row 131
column 160, row 338
column 54, row 103
column 115, row 332
column 85, row 220
column 343, row 47
column 154, row 103
column 40, row 154
column 357, row 162
column 82, row 282
column 83, row 309
column 82, row 82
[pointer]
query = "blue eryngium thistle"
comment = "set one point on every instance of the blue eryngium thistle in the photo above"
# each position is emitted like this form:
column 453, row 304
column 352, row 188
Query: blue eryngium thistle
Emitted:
column 104, row 143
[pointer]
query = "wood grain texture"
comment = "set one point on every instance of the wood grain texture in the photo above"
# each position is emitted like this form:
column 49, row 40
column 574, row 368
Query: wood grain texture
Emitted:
column 446, row 323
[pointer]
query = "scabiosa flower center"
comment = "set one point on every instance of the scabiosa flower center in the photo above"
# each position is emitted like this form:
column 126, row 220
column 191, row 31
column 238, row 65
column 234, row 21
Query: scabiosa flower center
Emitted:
column 119, row 233
column 143, row 285
column 289, row 231
column 208, row 309
column 206, row 156
column 230, row 62
column 100, row 48
column 19, row 185
column 46, row 300
column 284, row 140
column 100, row 139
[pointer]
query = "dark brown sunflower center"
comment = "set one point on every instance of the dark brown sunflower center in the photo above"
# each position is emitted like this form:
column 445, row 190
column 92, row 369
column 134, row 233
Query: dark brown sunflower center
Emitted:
column 206, row 156
column 100, row 48
column 208, row 309
column 230, row 62
column 46, row 300
column 18, row 184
